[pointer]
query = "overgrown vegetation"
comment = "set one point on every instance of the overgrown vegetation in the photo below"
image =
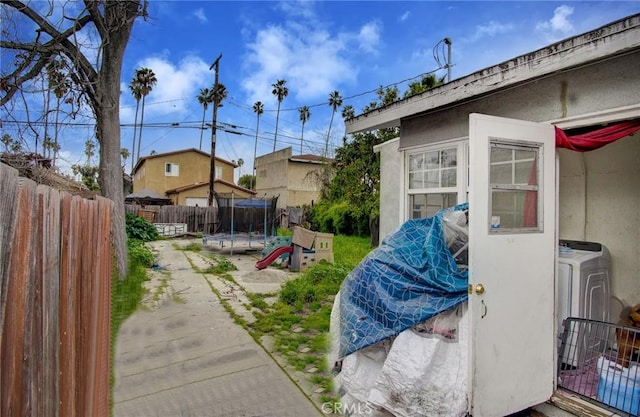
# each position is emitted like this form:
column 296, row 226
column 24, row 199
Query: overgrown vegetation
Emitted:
column 139, row 228
column 126, row 294
column 350, row 198
column 298, row 321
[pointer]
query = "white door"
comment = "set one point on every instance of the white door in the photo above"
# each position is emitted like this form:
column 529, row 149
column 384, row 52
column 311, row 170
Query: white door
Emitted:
column 512, row 229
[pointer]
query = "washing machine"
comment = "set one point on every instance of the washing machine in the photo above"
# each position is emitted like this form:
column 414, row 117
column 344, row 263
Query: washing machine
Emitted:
column 584, row 288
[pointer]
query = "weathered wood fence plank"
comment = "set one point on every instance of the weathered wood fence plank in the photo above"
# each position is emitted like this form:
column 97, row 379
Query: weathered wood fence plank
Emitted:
column 56, row 263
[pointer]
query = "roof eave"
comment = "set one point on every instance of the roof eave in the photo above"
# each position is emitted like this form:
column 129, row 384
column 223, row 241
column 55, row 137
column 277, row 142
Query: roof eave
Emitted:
column 617, row 38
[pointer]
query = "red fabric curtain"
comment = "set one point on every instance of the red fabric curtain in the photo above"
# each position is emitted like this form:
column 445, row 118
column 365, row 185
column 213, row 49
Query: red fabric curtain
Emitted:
column 597, row 138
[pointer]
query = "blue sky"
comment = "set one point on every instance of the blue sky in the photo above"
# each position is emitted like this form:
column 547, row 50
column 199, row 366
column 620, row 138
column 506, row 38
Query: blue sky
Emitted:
column 317, row 47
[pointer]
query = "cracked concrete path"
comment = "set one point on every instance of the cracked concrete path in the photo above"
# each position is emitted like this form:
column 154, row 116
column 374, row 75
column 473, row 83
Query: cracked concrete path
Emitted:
column 183, row 355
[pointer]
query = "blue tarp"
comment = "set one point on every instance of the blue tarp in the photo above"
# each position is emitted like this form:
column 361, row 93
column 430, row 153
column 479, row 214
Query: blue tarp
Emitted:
column 408, row 279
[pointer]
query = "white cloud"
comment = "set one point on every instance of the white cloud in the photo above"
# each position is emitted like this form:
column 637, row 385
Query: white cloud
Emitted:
column 177, row 83
column 199, row 14
column 559, row 22
column 313, row 61
column 491, row 29
column 369, row 37
column 404, row 16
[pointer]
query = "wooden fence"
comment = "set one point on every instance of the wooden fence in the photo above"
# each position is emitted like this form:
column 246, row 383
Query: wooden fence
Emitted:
column 248, row 218
column 55, row 293
column 198, row 219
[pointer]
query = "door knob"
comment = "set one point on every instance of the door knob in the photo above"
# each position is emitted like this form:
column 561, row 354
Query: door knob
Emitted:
column 479, row 289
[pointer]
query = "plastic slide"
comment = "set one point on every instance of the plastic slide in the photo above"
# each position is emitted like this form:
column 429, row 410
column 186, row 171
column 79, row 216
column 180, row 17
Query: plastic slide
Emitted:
column 272, row 256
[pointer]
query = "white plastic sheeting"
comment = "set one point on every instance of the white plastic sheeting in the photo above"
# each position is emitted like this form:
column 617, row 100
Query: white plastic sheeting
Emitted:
column 421, row 372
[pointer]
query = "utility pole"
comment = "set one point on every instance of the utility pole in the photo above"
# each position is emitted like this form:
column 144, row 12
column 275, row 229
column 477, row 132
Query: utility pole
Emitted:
column 212, row 169
column 447, row 41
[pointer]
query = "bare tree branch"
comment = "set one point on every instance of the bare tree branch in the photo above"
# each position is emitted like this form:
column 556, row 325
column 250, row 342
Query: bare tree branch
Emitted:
column 92, row 7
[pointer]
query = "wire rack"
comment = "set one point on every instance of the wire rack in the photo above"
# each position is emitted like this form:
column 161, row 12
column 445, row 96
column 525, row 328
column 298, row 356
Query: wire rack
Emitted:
column 599, row 362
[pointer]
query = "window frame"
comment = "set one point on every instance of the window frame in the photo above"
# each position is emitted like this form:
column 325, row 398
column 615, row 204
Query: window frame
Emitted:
column 169, row 170
column 461, row 189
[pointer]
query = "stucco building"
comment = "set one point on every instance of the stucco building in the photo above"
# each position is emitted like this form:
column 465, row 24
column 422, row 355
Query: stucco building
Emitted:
column 294, row 179
column 183, row 176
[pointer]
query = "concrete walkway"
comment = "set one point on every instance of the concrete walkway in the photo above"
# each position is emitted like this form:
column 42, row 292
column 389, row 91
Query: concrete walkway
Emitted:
column 182, row 355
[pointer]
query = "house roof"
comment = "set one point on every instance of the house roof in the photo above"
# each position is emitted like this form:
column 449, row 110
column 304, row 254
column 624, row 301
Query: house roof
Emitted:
column 160, row 155
column 146, row 194
column 309, row 158
column 617, row 38
column 178, row 190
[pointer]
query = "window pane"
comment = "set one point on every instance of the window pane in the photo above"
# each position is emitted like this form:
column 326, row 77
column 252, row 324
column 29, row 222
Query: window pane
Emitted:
column 416, row 180
column 524, row 174
column 449, row 157
column 433, row 160
column 449, row 177
column 426, row 205
column 526, row 154
column 500, row 154
column 501, row 174
column 514, row 209
column 433, row 179
column 416, row 162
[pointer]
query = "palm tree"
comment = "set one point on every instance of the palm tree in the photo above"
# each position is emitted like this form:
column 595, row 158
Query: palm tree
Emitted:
column 204, row 98
column 136, row 90
column 218, row 94
column 146, row 78
column 280, row 91
column 335, row 101
column 258, row 109
column 305, row 114
column 348, row 112
column 240, row 163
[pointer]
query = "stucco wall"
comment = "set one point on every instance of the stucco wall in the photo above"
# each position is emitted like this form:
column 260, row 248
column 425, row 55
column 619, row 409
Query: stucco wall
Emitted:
column 271, row 175
column 303, row 183
column 600, row 202
column 391, row 215
column 194, row 167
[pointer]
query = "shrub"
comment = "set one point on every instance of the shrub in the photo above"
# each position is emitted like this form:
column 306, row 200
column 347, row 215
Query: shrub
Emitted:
column 139, row 228
column 139, row 254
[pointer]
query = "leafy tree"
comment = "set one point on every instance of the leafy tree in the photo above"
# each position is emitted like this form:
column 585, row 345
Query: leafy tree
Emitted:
column 204, row 98
column 427, row 82
column 351, row 199
column 258, row 109
column 335, row 101
column 247, row 181
column 124, row 153
column 305, row 114
column 145, row 79
column 280, row 91
column 108, row 24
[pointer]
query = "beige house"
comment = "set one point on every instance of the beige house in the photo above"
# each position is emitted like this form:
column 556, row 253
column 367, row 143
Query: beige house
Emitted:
column 294, row 179
column 183, row 176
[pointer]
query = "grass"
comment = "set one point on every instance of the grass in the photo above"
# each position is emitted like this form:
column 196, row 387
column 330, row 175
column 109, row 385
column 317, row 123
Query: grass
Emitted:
column 126, row 295
column 299, row 320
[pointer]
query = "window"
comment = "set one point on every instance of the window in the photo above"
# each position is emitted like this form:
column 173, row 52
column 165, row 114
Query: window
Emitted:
column 434, row 179
column 218, row 172
column 171, row 170
column 514, row 185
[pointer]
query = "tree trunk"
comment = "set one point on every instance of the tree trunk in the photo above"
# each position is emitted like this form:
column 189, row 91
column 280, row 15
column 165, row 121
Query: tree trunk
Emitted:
column 107, row 111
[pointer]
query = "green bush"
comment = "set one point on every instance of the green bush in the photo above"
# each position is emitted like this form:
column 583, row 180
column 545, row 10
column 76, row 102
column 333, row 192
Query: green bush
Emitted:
column 139, row 254
column 339, row 218
column 139, row 228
